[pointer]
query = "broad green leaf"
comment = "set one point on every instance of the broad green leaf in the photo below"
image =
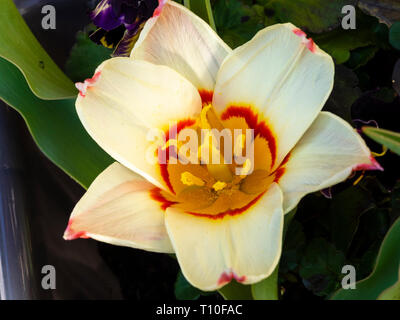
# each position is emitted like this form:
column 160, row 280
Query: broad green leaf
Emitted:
column 266, row 289
column 19, row 46
column 387, row 138
column 385, row 273
column 55, row 128
column 85, row 57
column 203, row 9
column 394, row 35
column 392, row 293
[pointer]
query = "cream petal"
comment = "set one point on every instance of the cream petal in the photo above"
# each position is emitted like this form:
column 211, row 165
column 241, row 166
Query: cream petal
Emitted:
column 128, row 99
column 245, row 246
column 326, row 155
column 283, row 77
column 118, row 209
column 181, row 40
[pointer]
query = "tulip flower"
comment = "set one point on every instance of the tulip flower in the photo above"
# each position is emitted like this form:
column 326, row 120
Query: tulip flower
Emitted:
column 221, row 225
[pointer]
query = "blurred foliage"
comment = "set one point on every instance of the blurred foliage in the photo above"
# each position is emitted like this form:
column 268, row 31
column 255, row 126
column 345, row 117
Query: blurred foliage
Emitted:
column 383, row 282
column 345, row 93
column 85, row 57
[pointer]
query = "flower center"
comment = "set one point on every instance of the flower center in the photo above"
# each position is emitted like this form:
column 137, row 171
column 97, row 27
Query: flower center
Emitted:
column 230, row 166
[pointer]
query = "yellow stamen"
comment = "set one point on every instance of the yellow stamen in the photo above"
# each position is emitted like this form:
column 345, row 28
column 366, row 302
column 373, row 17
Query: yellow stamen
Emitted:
column 189, row 179
column 219, row 185
column 359, row 179
column 384, row 150
column 105, row 44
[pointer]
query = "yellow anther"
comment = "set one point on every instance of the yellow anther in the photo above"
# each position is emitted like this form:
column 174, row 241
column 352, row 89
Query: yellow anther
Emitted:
column 384, row 150
column 219, row 185
column 104, row 43
column 203, row 117
column 189, row 179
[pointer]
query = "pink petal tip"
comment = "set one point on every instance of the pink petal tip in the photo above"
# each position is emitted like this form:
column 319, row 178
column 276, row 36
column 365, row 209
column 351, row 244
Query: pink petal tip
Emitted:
column 158, row 10
column 226, row 277
column 83, row 86
column 70, row 234
column 309, row 43
column 374, row 165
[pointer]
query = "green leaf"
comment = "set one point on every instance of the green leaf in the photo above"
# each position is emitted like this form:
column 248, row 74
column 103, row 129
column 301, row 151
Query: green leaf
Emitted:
column 394, row 35
column 321, row 267
column 392, row 293
column 184, row 290
column 203, row 9
column 55, row 128
column 385, row 273
column 236, row 291
column 387, row 138
column 266, row 289
column 19, row 46
column 316, row 16
column 85, row 57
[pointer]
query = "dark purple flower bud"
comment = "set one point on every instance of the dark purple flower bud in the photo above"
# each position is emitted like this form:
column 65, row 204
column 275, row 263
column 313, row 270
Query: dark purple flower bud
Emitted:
column 119, row 23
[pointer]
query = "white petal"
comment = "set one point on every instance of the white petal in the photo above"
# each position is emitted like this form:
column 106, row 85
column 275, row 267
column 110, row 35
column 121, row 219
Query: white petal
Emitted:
column 326, row 155
column 127, row 99
column 280, row 76
column 181, row 40
column 246, row 246
column 118, row 209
